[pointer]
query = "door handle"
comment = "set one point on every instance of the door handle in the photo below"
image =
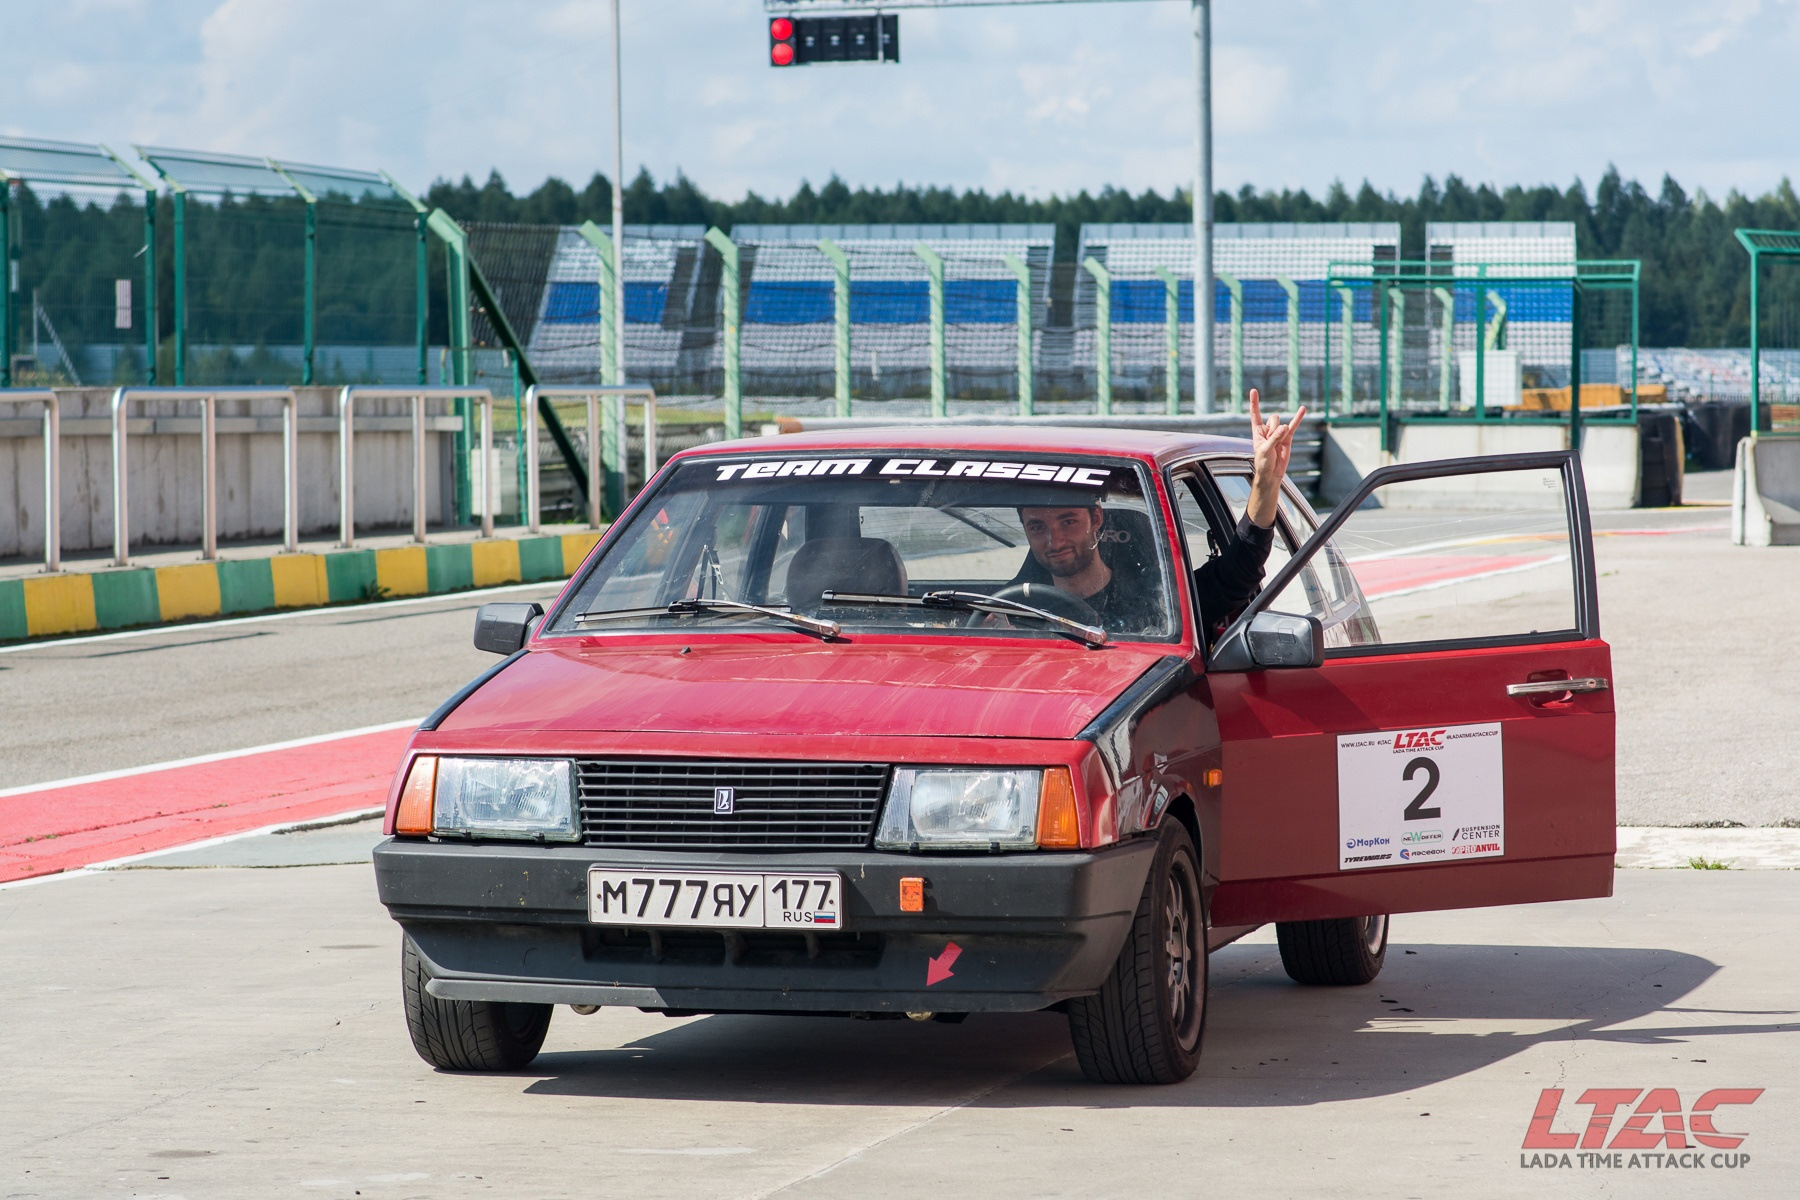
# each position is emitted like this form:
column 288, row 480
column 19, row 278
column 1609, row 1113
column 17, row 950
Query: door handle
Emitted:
column 1543, row 687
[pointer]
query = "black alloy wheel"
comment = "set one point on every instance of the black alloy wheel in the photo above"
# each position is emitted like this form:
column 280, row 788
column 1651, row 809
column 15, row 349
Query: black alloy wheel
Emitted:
column 1146, row 1022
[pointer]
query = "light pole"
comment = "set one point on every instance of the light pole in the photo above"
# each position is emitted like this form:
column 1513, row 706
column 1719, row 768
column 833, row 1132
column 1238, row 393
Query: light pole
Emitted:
column 618, row 206
column 1203, row 209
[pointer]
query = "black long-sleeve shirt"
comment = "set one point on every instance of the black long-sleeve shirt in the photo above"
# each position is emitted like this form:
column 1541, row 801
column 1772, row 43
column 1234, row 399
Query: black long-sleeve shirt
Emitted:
column 1231, row 578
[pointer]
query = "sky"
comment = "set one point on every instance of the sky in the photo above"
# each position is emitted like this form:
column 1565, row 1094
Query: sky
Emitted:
column 1039, row 100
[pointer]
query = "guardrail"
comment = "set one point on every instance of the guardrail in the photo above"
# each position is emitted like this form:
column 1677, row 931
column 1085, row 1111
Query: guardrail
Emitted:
column 209, row 484
column 418, row 395
column 52, row 466
column 606, row 446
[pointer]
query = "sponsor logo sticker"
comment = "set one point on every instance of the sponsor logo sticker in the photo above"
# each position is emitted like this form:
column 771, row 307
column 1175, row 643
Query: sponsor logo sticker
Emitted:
column 1635, row 1129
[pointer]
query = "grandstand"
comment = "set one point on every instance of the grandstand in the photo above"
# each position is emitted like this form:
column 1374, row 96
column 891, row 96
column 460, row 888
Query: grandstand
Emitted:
column 789, row 328
column 1256, row 258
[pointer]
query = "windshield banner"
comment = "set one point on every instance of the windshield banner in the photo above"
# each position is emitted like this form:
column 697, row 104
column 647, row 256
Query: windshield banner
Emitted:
column 966, row 468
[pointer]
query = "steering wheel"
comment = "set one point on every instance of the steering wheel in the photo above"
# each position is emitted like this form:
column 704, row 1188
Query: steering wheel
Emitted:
column 1042, row 595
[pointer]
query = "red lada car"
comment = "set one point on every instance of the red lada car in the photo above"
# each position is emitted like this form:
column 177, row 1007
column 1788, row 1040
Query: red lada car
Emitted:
column 815, row 730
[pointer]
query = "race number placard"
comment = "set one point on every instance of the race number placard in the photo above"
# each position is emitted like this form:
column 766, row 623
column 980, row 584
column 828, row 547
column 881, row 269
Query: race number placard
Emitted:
column 1420, row 796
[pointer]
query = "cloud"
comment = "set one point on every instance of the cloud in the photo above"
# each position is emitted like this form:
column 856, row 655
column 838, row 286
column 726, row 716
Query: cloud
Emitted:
column 1048, row 98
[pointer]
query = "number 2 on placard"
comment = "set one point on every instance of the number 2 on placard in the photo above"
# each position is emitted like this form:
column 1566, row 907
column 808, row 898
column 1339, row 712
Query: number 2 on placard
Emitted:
column 1415, row 811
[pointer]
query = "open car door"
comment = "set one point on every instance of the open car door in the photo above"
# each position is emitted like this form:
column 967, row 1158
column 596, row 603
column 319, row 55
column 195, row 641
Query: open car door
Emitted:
column 1416, row 712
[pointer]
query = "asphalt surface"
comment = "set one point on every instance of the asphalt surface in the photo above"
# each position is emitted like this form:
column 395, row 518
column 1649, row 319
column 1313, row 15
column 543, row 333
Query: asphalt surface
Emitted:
column 195, row 1031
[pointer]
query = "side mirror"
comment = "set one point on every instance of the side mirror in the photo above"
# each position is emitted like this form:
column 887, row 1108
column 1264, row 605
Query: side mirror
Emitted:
column 504, row 628
column 1273, row 639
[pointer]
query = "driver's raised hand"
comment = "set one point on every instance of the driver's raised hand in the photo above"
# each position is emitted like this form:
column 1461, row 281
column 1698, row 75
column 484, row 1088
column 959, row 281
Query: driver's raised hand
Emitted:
column 1273, row 444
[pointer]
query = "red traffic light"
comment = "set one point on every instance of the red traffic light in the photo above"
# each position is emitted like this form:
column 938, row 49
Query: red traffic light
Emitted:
column 781, row 54
column 781, row 29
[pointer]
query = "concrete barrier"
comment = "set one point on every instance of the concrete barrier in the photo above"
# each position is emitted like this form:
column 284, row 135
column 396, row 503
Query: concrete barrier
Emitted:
column 1610, row 460
column 1765, row 492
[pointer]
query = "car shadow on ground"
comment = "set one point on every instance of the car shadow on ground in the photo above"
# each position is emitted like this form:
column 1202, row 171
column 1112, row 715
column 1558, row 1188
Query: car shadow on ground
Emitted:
column 1437, row 1012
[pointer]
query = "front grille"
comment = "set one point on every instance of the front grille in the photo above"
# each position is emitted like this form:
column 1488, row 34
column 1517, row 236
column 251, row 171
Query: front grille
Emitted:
column 668, row 804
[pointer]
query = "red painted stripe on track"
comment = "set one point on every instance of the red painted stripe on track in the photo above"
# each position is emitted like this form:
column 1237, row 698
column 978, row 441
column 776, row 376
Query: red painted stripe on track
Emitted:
column 1380, row 576
column 61, row 827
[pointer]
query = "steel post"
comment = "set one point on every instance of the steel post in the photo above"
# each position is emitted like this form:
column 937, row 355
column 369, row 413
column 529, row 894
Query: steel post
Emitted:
column 52, row 484
column 1102, row 334
column 1203, row 210
column 347, row 468
column 596, row 465
column 618, row 203
column 528, row 437
column 290, row 473
column 1481, row 303
column 121, row 482
column 209, row 478
column 840, row 294
column 1755, row 344
column 728, row 284
column 422, row 290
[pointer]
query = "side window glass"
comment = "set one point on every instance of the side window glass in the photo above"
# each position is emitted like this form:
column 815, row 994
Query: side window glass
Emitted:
column 1457, row 558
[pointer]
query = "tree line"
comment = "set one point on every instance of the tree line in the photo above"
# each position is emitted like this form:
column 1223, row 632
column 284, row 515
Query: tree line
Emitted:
column 244, row 254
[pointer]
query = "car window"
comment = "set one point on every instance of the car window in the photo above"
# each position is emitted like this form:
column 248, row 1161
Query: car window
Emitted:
column 1325, row 589
column 1461, row 558
column 1075, row 536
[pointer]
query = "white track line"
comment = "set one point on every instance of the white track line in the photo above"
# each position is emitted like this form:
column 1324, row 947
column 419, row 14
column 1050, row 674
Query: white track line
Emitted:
column 411, row 723
column 290, row 614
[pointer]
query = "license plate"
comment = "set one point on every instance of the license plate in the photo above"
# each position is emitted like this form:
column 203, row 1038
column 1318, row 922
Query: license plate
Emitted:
column 715, row 899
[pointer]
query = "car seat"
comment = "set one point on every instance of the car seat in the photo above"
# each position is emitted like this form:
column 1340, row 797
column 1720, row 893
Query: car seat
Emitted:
column 844, row 564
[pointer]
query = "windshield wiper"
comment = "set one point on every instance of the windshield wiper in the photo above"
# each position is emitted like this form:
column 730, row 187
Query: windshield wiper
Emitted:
column 813, row 625
column 1092, row 635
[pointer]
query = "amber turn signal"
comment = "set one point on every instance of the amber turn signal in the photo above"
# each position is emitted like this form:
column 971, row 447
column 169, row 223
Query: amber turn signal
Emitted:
column 415, row 814
column 912, row 894
column 1213, row 777
column 1058, row 827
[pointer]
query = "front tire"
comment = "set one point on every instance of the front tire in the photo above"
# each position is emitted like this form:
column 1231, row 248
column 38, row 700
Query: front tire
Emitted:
column 1337, row 953
column 1145, row 1024
column 467, row 1035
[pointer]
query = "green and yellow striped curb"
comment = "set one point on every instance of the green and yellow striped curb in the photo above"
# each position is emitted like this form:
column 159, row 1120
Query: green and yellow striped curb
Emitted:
column 80, row 602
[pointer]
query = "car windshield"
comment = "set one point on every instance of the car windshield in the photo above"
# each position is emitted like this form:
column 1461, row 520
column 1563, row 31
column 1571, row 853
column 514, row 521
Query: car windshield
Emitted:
column 888, row 542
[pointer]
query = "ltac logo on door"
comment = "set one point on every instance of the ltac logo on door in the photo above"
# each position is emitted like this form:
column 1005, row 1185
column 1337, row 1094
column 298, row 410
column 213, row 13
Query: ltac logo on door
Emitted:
column 1682, row 1138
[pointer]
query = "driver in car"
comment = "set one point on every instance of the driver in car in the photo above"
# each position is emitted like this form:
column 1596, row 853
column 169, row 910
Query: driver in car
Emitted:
column 1066, row 542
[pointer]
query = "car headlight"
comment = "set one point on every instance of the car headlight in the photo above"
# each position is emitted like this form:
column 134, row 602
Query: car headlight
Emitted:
column 506, row 798
column 958, row 808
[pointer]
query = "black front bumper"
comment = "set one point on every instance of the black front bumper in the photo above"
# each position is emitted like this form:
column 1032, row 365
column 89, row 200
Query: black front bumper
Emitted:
column 510, row 922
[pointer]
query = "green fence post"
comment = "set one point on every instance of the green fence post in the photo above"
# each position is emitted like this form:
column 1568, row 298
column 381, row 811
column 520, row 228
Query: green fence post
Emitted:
column 1233, row 286
column 1447, row 350
column 1172, row 341
column 934, row 268
column 728, row 283
column 1023, row 320
column 308, row 333
column 180, row 284
column 1102, row 334
column 1575, row 365
column 1293, row 333
column 6, row 283
column 1397, row 377
column 1347, row 369
column 460, row 336
column 1481, row 304
column 609, row 310
column 1634, row 344
column 840, row 294
column 422, row 298
column 1755, row 345
column 149, row 287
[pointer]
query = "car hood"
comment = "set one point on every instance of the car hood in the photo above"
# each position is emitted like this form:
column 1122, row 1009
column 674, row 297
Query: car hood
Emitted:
column 1044, row 690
